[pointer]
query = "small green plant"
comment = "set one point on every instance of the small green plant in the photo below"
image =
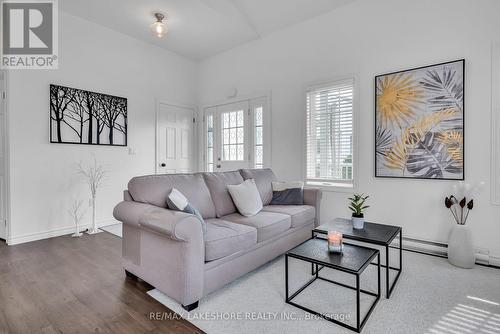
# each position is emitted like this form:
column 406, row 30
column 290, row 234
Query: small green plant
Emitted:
column 357, row 205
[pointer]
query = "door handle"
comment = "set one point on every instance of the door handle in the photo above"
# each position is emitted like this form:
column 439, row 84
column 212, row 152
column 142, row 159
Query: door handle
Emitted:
column 163, row 164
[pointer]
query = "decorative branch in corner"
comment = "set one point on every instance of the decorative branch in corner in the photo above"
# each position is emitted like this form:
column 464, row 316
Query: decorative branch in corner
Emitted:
column 94, row 175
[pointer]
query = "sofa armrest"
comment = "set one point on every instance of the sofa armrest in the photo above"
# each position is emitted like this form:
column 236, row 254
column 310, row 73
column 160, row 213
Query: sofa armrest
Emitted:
column 177, row 225
column 163, row 247
column 173, row 224
column 312, row 197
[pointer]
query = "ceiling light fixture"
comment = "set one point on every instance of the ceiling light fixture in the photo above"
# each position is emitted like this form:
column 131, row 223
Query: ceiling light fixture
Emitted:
column 159, row 29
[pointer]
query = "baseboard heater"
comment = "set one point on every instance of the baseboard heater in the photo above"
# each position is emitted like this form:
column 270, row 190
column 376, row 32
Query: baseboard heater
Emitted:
column 440, row 249
column 423, row 246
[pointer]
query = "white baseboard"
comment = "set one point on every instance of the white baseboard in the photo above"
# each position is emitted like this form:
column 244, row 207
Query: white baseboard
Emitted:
column 483, row 256
column 20, row 239
column 494, row 261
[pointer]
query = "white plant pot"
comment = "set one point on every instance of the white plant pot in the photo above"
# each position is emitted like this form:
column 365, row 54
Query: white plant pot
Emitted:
column 460, row 249
column 358, row 223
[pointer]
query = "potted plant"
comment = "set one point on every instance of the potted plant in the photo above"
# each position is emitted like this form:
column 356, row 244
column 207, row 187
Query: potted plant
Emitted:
column 357, row 206
column 460, row 248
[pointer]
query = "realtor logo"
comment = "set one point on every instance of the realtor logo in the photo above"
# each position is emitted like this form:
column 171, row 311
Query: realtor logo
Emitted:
column 29, row 34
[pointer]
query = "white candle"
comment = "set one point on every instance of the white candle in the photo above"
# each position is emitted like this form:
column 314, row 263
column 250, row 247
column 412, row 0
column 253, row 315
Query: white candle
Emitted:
column 335, row 241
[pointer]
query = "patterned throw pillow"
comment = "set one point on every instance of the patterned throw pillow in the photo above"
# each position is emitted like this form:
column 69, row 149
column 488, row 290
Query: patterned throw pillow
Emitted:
column 288, row 193
column 177, row 201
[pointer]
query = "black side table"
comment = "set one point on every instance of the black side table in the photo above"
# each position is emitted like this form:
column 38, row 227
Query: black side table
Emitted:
column 378, row 234
column 353, row 260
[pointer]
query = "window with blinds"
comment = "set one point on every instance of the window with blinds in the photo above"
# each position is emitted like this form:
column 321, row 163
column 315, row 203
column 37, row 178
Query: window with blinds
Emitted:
column 330, row 134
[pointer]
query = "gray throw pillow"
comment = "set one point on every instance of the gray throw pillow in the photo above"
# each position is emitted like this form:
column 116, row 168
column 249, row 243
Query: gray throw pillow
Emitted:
column 288, row 193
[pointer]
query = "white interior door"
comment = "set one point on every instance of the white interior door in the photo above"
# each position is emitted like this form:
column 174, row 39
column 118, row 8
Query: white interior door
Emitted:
column 232, row 137
column 3, row 159
column 175, row 132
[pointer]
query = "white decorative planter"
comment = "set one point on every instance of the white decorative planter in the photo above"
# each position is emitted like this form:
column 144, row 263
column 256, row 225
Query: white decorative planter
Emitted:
column 460, row 249
column 358, row 223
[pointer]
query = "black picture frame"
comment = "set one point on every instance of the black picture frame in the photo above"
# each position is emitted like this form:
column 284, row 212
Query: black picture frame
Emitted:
column 376, row 80
column 106, row 124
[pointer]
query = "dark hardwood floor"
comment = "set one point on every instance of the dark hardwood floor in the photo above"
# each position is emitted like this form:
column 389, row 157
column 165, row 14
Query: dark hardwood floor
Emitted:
column 68, row 285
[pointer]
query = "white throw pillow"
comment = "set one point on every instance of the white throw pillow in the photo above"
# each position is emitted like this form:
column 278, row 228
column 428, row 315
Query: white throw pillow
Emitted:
column 179, row 200
column 246, row 197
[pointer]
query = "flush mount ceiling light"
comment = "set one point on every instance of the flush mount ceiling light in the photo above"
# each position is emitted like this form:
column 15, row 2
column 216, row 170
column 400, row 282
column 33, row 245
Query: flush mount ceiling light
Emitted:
column 159, row 29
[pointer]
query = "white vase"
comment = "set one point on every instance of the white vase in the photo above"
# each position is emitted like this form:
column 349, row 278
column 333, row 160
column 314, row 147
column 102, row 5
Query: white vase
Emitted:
column 358, row 223
column 460, row 249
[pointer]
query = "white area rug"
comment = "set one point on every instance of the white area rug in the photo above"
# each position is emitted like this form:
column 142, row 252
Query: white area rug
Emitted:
column 115, row 229
column 431, row 297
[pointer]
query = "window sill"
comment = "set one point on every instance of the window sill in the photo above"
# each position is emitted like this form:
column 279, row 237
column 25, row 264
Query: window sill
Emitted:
column 332, row 187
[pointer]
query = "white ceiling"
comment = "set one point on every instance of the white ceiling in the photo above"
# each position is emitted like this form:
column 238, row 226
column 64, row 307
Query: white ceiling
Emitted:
column 199, row 28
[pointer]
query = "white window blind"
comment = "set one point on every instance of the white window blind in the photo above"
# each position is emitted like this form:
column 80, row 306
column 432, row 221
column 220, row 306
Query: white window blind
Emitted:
column 330, row 134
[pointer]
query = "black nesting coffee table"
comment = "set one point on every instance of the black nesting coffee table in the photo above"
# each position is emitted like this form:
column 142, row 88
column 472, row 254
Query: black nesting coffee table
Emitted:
column 353, row 260
column 378, row 234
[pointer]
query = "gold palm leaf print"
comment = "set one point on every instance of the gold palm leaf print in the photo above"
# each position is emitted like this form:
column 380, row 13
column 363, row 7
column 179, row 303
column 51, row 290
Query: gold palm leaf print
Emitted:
column 397, row 156
column 454, row 142
column 411, row 136
column 451, row 137
column 427, row 123
column 456, row 154
column 397, row 97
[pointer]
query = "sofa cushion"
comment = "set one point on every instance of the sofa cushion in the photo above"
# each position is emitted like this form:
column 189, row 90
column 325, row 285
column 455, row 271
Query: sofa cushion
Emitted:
column 300, row 214
column 263, row 179
column 154, row 189
column 217, row 185
column 268, row 224
column 224, row 238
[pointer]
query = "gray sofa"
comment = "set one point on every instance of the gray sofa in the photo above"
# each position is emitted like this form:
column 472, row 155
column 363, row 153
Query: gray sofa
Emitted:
column 187, row 259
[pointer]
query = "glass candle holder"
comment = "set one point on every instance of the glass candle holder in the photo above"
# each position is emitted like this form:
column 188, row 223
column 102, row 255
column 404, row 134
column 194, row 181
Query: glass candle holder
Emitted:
column 335, row 244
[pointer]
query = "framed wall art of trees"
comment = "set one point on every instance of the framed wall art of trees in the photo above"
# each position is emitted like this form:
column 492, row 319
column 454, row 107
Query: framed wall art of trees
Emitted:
column 419, row 122
column 84, row 117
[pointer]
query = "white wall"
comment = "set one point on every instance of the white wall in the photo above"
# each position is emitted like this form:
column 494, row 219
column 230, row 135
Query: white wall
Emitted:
column 91, row 57
column 369, row 38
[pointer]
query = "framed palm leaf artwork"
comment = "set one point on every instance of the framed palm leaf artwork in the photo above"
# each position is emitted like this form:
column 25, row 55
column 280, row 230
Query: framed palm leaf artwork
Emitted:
column 419, row 122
